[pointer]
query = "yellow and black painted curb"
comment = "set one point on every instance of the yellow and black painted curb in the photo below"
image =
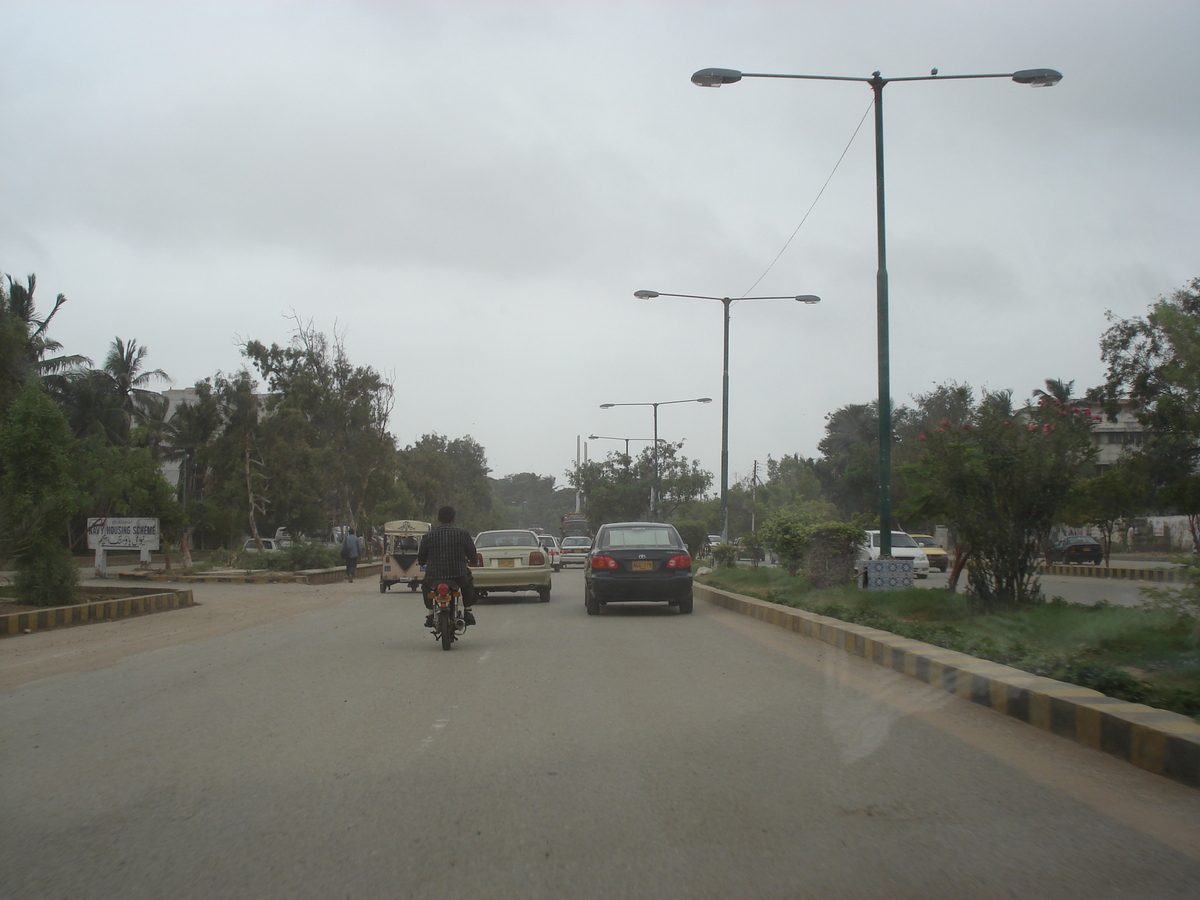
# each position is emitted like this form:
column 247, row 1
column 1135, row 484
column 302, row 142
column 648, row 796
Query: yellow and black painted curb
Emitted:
column 1162, row 574
column 304, row 576
column 98, row 611
column 1162, row 742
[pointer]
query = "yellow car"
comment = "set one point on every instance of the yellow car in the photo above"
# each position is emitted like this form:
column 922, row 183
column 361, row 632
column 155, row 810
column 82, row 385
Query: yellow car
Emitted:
column 938, row 558
column 511, row 561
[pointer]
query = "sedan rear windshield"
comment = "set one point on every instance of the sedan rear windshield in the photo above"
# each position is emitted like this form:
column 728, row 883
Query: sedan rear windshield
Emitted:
column 641, row 536
column 506, row 539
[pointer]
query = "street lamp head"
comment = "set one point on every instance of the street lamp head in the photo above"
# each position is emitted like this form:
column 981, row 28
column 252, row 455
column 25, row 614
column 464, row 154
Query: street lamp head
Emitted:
column 592, row 437
column 716, row 77
column 808, row 298
column 1037, row 77
column 645, row 295
column 607, row 405
column 704, row 400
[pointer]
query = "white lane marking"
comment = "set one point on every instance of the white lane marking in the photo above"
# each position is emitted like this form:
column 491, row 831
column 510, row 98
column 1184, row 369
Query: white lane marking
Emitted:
column 433, row 734
column 485, row 656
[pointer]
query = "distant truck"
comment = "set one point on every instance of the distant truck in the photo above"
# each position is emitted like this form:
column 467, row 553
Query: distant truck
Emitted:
column 575, row 525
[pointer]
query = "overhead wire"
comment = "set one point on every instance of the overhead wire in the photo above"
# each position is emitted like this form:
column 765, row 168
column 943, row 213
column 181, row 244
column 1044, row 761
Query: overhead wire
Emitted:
column 812, row 205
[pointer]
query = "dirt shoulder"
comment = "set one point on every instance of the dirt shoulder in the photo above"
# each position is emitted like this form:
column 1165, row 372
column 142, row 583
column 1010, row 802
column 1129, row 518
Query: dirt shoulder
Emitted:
column 220, row 609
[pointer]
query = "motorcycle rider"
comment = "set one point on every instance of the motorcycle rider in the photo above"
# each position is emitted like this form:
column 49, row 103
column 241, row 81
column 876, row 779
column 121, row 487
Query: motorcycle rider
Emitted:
column 445, row 553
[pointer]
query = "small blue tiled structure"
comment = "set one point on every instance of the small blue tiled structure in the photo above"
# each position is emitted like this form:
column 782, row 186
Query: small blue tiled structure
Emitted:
column 885, row 574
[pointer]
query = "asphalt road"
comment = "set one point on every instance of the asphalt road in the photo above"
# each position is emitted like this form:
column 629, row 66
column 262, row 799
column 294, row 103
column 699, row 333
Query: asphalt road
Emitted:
column 291, row 741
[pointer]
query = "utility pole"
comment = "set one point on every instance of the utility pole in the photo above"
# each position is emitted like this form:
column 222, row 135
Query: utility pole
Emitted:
column 753, row 493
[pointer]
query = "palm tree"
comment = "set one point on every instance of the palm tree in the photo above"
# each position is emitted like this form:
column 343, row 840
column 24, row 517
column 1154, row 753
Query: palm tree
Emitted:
column 123, row 365
column 24, row 337
column 92, row 407
column 18, row 302
column 1056, row 389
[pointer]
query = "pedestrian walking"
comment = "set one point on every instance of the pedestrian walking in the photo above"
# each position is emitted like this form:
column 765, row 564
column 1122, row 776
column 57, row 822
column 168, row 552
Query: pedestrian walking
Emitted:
column 351, row 550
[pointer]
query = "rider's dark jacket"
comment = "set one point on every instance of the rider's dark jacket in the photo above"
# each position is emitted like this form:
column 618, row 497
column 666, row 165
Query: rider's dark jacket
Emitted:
column 445, row 552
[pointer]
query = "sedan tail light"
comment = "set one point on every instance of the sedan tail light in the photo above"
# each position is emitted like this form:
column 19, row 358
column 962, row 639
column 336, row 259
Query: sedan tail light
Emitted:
column 603, row 562
column 478, row 560
column 679, row 562
column 537, row 558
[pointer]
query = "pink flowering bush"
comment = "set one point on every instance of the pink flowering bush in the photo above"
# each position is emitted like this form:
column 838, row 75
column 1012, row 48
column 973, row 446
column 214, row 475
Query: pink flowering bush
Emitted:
column 1002, row 489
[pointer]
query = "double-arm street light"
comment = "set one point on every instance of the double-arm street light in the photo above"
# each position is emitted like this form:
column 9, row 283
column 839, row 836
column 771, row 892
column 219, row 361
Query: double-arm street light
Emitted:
column 725, row 301
column 1034, row 77
column 654, row 486
column 605, row 437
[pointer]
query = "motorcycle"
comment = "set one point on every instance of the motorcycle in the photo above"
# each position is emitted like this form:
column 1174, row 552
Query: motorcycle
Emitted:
column 447, row 609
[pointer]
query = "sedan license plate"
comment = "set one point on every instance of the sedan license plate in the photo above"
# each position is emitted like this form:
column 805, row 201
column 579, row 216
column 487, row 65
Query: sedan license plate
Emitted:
column 642, row 565
column 506, row 563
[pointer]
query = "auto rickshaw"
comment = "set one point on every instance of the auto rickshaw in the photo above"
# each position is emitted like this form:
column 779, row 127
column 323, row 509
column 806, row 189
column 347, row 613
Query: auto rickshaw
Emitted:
column 401, row 540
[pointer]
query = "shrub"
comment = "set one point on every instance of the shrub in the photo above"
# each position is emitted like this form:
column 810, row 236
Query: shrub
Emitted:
column 725, row 555
column 831, row 552
column 302, row 555
column 48, row 575
column 1107, row 680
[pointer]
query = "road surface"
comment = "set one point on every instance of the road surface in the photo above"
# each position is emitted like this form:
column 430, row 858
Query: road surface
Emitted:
column 294, row 741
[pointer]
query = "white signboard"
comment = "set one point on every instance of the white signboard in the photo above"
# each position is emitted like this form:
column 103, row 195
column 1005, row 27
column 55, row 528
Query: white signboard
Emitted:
column 122, row 534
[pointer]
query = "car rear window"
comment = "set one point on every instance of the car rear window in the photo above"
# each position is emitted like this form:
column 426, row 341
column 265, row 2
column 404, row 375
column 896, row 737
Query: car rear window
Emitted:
column 641, row 536
column 506, row 539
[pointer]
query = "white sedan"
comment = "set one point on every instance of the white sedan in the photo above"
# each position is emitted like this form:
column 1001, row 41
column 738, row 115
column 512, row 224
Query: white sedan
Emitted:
column 511, row 561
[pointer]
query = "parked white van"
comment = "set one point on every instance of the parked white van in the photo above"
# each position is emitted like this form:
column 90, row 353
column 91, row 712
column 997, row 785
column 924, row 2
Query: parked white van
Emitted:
column 903, row 547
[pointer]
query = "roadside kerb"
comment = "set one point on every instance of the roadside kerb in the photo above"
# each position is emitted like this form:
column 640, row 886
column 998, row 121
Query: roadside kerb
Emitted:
column 302, row 576
column 98, row 611
column 1162, row 742
column 1157, row 574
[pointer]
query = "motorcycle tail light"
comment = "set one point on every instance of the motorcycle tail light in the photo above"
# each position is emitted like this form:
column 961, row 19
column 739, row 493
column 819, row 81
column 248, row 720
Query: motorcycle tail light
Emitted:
column 537, row 558
column 443, row 590
column 679, row 562
column 603, row 562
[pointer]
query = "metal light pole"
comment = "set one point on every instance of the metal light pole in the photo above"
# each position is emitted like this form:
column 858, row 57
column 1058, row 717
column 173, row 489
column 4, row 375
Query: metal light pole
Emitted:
column 656, row 405
column 725, row 301
column 1034, row 77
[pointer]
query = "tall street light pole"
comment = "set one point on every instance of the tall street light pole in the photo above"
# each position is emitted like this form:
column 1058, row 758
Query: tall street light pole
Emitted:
column 725, row 301
column 656, row 405
column 1034, row 77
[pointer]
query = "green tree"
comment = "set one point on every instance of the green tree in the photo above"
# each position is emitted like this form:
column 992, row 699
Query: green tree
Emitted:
column 326, row 425
column 38, row 498
column 92, row 406
column 124, row 365
column 24, row 340
column 617, row 488
column 1107, row 502
column 1002, row 480
column 849, row 464
column 527, row 499
column 440, row 471
column 1154, row 365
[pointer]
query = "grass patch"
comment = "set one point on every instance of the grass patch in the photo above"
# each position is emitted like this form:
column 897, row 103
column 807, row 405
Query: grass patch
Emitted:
column 1143, row 655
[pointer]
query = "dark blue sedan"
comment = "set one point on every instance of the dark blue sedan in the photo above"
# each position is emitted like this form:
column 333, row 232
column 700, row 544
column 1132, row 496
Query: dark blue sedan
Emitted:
column 636, row 561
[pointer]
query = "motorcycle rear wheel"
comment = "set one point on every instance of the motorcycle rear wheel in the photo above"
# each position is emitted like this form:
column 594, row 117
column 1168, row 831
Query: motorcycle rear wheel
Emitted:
column 445, row 629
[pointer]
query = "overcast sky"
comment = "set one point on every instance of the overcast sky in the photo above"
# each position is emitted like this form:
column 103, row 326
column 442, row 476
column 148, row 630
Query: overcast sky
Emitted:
column 472, row 191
